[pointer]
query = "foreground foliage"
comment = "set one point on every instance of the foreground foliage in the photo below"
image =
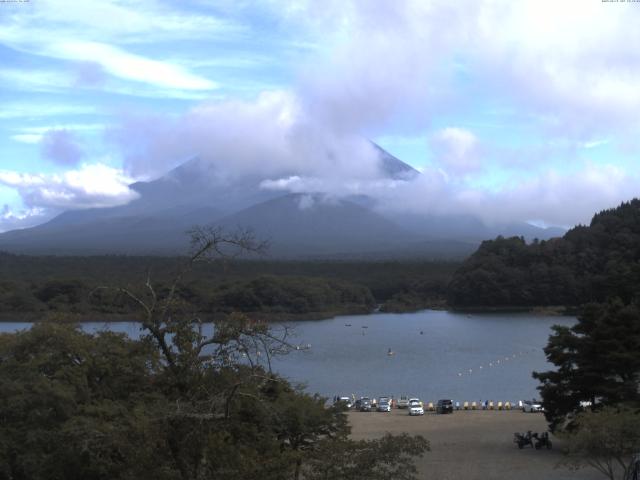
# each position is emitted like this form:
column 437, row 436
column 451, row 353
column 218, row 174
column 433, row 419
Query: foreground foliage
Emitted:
column 185, row 401
column 607, row 440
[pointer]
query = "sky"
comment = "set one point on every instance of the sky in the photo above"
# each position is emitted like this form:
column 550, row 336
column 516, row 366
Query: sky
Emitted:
column 511, row 110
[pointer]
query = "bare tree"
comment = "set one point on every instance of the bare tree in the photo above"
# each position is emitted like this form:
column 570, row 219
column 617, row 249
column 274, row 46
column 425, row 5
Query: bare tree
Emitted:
column 188, row 343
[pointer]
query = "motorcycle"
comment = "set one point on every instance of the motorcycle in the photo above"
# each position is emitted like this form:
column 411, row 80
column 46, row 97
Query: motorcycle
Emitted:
column 523, row 440
column 542, row 440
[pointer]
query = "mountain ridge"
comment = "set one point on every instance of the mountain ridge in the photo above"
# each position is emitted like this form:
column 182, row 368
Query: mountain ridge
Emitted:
column 299, row 225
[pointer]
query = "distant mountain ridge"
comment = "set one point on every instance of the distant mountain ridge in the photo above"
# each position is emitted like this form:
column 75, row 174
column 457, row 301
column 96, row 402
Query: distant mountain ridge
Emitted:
column 301, row 225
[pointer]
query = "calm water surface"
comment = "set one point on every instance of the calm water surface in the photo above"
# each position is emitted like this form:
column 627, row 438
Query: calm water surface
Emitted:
column 458, row 356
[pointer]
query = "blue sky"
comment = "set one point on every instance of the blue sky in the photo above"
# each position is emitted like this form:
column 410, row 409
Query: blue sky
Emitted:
column 512, row 110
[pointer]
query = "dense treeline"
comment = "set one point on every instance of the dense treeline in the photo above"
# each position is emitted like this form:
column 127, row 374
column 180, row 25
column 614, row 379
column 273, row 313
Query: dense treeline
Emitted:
column 37, row 286
column 590, row 263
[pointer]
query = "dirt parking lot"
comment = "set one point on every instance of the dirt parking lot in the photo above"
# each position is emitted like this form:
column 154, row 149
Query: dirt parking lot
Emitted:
column 470, row 445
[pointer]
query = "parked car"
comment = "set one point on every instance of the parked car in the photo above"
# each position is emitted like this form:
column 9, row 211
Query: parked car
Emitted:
column 363, row 404
column 384, row 400
column 532, row 406
column 444, row 406
column 415, row 408
column 403, row 401
column 384, row 407
column 346, row 401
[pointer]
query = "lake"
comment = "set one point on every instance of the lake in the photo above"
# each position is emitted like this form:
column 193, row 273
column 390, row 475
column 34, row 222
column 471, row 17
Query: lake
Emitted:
column 436, row 354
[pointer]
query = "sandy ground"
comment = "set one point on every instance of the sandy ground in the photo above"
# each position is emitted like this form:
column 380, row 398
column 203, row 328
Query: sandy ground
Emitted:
column 470, row 445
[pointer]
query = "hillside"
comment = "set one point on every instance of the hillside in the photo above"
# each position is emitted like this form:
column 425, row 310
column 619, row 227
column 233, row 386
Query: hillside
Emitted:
column 304, row 225
column 589, row 263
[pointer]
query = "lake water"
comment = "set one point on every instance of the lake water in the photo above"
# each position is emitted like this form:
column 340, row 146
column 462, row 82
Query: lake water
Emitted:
column 458, row 356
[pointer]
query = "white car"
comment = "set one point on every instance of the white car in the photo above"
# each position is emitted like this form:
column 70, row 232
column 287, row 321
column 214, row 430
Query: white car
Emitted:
column 532, row 406
column 403, row 401
column 415, row 408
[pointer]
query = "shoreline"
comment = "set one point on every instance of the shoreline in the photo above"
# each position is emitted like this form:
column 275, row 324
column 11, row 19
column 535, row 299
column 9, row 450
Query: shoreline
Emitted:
column 270, row 317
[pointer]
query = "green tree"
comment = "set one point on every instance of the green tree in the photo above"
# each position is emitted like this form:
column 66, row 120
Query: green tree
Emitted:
column 607, row 440
column 597, row 361
column 388, row 457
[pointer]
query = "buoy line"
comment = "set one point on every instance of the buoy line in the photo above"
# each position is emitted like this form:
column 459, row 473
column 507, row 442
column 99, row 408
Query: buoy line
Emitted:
column 500, row 361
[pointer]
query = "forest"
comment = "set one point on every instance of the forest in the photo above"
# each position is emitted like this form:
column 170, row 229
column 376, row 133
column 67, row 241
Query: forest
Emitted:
column 33, row 287
column 588, row 264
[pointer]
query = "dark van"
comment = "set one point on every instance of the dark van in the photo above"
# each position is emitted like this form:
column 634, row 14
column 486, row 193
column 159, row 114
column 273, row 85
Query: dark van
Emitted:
column 444, row 406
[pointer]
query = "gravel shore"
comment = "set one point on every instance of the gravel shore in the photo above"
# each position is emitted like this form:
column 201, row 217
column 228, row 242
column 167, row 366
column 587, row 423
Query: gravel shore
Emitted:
column 473, row 445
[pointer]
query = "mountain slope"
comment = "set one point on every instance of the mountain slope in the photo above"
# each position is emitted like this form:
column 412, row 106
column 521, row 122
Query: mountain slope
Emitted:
column 298, row 225
column 194, row 193
column 311, row 224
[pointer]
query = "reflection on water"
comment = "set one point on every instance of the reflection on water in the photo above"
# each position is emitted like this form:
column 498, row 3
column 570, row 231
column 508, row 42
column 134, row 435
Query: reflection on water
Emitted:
column 431, row 354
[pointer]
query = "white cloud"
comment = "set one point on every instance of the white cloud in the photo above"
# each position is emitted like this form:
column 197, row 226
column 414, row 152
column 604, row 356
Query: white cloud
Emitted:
column 456, row 150
column 91, row 185
column 11, row 219
column 271, row 136
column 104, row 36
column 129, row 66
column 60, row 81
column 136, row 21
column 554, row 197
column 24, row 110
column 30, row 138
column 395, row 65
column 35, row 135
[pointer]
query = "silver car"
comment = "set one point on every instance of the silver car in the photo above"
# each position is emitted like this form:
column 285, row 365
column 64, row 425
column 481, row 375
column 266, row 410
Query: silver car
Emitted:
column 532, row 406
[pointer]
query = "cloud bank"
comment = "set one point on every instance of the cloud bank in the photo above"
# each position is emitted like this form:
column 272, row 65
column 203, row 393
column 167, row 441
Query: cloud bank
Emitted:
column 90, row 186
column 438, row 70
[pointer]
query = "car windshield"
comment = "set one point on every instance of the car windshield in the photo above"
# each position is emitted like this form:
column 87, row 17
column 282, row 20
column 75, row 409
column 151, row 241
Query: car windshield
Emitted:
column 445, row 402
column 384, row 404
